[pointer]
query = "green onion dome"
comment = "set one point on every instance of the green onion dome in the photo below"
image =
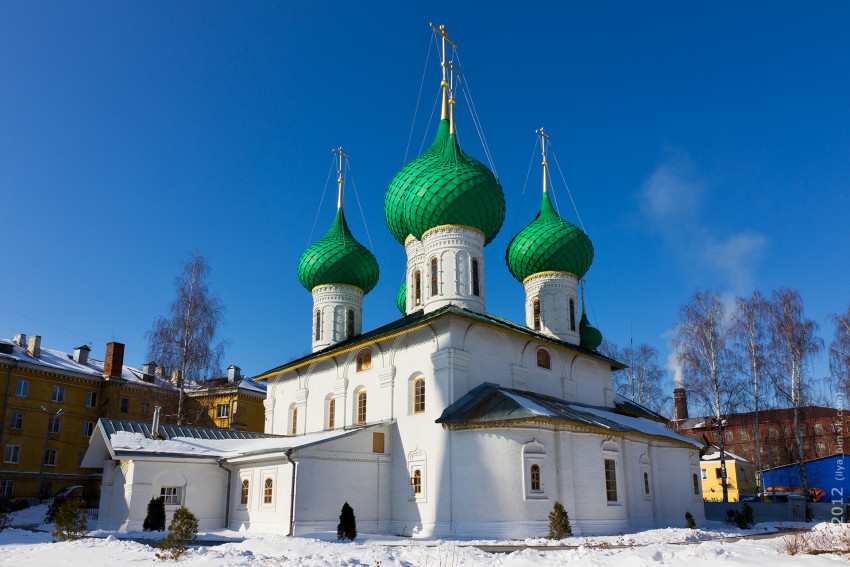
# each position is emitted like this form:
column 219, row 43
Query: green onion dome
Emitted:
column 337, row 258
column 401, row 298
column 589, row 337
column 444, row 186
column 549, row 244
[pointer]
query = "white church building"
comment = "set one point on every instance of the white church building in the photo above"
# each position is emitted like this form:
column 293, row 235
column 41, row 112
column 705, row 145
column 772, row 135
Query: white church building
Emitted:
column 449, row 421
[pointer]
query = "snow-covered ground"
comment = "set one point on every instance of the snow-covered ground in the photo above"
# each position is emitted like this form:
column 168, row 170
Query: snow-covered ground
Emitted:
column 673, row 546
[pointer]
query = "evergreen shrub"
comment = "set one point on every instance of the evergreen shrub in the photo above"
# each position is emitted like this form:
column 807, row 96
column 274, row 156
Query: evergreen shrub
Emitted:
column 559, row 522
column 181, row 531
column 155, row 520
column 70, row 521
column 347, row 528
column 689, row 521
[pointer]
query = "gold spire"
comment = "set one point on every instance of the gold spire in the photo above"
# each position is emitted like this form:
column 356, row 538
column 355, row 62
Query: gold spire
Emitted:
column 453, row 72
column 543, row 139
column 445, row 83
column 339, row 152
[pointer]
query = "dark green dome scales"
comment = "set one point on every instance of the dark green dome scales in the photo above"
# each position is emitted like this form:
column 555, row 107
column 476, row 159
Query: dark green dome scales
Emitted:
column 549, row 244
column 589, row 336
column 444, row 186
column 337, row 258
column 401, row 298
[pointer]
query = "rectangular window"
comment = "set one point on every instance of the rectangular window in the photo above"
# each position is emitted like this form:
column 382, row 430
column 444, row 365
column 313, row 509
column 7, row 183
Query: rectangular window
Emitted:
column 704, row 474
column 13, row 454
column 610, row 480
column 222, row 411
column 729, row 437
column 7, row 488
column 377, row 442
column 361, row 407
column 742, row 434
column 91, row 399
column 50, row 457
column 718, row 473
column 58, row 394
column 54, row 424
column 146, row 409
column 331, row 413
column 818, row 429
column 125, row 405
column 820, row 448
column 88, row 428
column 16, row 420
column 171, row 494
column 22, row 388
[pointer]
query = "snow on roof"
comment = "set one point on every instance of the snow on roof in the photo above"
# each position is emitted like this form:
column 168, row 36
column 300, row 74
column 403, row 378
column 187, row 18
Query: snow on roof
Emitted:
column 715, row 455
column 641, row 424
column 63, row 361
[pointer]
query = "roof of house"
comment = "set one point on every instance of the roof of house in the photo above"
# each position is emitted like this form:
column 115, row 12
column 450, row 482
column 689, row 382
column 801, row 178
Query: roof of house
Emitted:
column 212, row 385
column 714, row 455
column 59, row 361
column 124, row 439
column 420, row 319
column 491, row 403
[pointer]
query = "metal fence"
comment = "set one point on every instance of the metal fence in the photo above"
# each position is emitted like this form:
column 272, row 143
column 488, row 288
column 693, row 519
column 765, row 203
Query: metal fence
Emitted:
column 791, row 511
column 20, row 501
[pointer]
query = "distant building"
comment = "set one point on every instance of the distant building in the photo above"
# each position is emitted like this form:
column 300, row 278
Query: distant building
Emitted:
column 740, row 476
column 229, row 402
column 51, row 403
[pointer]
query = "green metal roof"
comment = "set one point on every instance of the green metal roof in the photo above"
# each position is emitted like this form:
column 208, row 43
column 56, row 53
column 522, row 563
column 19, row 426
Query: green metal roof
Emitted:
column 589, row 336
column 401, row 298
column 420, row 318
column 444, row 186
column 549, row 244
column 337, row 258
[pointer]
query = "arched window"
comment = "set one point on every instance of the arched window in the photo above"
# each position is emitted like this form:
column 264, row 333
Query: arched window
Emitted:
column 543, row 358
column 245, row 485
column 350, row 322
column 268, row 487
column 416, row 481
column 331, row 412
column 364, row 360
column 434, row 287
column 419, row 395
column 535, row 477
column 572, row 314
column 361, row 407
column 535, row 307
column 696, row 484
column 646, row 483
column 476, row 285
column 317, row 333
column 294, row 427
column 417, row 287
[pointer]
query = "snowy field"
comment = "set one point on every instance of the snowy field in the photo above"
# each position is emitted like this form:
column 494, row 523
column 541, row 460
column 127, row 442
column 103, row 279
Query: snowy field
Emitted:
column 675, row 546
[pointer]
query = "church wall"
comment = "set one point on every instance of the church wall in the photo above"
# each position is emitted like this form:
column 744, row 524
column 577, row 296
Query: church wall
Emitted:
column 257, row 514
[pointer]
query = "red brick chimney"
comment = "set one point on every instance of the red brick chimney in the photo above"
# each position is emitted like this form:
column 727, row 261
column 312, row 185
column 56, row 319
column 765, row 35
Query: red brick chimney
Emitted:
column 114, row 361
column 680, row 404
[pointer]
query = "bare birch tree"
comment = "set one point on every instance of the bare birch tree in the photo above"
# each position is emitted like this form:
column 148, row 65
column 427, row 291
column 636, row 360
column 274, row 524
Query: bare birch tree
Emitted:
column 642, row 380
column 793, row 343
column 839, row 355
column 702, row 344
column 184, row 342
column 750, row 334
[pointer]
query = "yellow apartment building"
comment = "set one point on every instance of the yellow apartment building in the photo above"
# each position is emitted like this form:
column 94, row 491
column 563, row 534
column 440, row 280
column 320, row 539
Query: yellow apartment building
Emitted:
column 740, row 477
column 230, row 402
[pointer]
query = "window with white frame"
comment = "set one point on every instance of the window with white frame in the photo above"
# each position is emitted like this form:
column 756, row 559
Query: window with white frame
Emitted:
column 12, row 454
column 50, row 457
column 610, row 462
column 7, row 488
column 361, row 406
column 172, row 495
column 534, row 470
column 293, row 420
column 16, row 420
column 268, row 491
column 419, row 395
column 246, row 487
column 58, row 394
column 330, row 413
column 54, row 424
column 417, row 472
column 91, row 399
column 222, row 411
column 22, row 388
column 611, row 480
column 704, row 474
column 88, row 428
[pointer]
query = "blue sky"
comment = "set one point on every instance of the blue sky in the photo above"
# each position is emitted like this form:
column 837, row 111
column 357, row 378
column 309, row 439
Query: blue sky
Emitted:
column 704, row 145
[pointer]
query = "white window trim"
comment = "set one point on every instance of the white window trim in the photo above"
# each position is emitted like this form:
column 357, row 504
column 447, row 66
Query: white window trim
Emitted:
column 416, row 461
column 222, row 411
column 610, row 451
column 25, row 388
column 242, row 478
column 55, row 457
column 60, row 399
column 179, row 494
column 534, row 453
column 6, row 453
column 272, row 474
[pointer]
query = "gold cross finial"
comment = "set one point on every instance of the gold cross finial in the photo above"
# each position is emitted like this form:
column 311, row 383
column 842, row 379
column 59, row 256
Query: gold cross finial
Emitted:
column 453, row 72
column 444, row 84
column 339, row 152
column 544, row 137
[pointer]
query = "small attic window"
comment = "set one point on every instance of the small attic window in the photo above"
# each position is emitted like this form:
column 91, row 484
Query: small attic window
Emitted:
column 364, row 360
column 544, row 360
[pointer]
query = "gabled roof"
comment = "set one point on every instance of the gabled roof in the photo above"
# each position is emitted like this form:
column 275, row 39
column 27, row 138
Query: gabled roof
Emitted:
column 490, row 403
column 420, row 319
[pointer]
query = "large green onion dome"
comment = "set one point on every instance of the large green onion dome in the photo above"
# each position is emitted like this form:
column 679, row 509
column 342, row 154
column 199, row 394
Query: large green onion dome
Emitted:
column 589, row 337
column 549, row 244
column 444, row 186
column 337, row 258
column 401, row 298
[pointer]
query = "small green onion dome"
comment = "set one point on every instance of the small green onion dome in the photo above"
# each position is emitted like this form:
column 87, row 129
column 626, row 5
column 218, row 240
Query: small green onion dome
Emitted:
column 337, row 258
column 589, row 337
column 444, row 186
column 549, row 244
column 401, row 298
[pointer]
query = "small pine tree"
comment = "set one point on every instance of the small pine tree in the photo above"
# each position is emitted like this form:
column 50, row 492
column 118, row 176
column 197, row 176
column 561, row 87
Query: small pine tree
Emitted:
column 742, row 518
column 70, row 521
column 55, row 504
column 559, row 522
column 689, row 521
column 182, row 529
column 5, row 519
column 347, row 528
column 155, row 520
